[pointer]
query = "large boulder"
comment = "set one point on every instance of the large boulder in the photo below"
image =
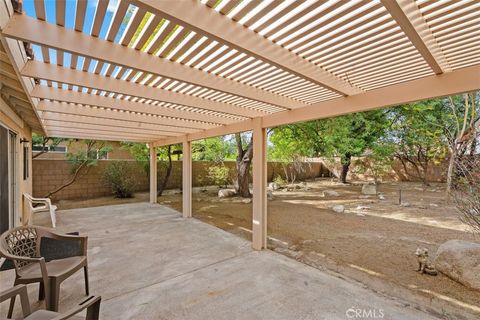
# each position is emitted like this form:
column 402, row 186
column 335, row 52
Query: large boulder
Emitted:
column 226, row 193
column 273, row 186
column 369, row 189
column 460, row 261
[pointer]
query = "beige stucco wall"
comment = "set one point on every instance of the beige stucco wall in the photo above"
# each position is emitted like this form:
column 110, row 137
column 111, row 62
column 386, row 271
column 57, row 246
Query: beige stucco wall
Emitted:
column 50, row 174
column 23, row 186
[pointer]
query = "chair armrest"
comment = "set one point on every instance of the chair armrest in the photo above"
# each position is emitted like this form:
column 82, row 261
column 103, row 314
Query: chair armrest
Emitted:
column 28, row 259
column 20, row 290
column 92, row 304
column 40, row 200
column 48, row 233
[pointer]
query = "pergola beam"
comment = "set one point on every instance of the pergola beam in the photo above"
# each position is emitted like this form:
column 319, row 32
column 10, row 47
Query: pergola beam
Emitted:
column 51, row 124
column 70, row 109
column 51, row 93
column 40, row 70
column 82, row 135
column 22, row 27
column 112, row 123
column 125, row 135
column 451, row 83
column 410, row 19
column 197, row 17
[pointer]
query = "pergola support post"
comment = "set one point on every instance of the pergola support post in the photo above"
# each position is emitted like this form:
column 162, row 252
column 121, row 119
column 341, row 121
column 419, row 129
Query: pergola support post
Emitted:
column 153, row 174
column 259, row 216
column 187, row 179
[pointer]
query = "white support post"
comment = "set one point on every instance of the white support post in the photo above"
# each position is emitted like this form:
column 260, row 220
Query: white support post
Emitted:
column 259, row 221
column 187, row 179
column 153, row 174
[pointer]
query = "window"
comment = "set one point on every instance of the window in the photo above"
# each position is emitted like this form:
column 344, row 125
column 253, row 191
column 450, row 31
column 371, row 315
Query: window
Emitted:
column 98, row 154
column 47, row 148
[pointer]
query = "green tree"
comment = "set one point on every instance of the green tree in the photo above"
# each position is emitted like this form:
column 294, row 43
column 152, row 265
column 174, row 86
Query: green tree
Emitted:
column 287, row 149
column 417, row 137
column 141, row 154
column 344, row 137
column 81, row 161
column 217, row 149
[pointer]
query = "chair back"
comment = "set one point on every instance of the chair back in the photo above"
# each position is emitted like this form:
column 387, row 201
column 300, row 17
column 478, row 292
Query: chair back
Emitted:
column 21, row 242
column 29, row 199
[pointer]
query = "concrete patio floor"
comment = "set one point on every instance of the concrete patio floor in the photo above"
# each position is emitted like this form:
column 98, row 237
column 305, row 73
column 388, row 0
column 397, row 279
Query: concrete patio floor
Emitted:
column 147, row 262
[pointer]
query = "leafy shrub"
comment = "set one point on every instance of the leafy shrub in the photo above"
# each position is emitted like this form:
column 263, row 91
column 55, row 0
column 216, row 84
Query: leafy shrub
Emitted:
column 219, row 175
column 119, row 177
column 280, row 181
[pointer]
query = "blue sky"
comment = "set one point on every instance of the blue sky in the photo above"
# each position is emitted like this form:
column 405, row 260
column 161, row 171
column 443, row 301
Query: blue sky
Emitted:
column 70, row 8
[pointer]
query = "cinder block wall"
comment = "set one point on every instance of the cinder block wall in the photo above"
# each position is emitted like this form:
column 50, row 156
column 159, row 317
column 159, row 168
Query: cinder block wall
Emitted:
column 49, row 174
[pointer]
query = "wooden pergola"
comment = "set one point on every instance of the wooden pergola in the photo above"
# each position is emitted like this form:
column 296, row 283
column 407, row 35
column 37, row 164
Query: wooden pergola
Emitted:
column 169, row 71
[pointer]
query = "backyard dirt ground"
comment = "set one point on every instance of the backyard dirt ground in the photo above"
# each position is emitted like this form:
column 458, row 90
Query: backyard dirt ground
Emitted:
column 373, row 240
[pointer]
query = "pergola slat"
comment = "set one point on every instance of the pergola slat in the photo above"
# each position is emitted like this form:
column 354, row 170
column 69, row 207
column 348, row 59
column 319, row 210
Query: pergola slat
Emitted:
column 99, row 16
column 32, row 30
column 117, row 20
column 45, row 71
column 410, row 19
column 199, row 18
column 80, row 15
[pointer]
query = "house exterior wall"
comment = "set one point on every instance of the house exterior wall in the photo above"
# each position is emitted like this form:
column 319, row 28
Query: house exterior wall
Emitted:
column 73, row 145
column 9, row 119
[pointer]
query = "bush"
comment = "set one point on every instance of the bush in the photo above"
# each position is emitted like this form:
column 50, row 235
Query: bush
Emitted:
column 219, row 175
column 119, row 177
column 280, row 181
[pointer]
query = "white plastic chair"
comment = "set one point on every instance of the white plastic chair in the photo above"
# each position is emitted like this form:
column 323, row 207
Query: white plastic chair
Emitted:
column 43, row 204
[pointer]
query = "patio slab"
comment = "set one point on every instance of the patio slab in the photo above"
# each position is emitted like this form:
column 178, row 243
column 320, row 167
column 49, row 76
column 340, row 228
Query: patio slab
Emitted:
column 149, row 263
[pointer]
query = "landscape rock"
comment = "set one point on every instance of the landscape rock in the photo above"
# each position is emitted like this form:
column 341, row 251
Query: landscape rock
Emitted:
column 226, row 193
column 381, row 197
column 369, row 189
column 404, row 204
column 293, row 187
column 247, row 200
column 339, row 208
column 364, row 197
column 460, row 261
column 362, row 208
column 330, row 193
column 273, row 186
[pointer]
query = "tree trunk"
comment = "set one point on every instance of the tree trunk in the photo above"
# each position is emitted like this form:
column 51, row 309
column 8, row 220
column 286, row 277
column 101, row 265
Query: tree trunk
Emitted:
column 346, row 161
column 167, row 172
column 451, row 166
column 244, row 159
column 243, row 189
